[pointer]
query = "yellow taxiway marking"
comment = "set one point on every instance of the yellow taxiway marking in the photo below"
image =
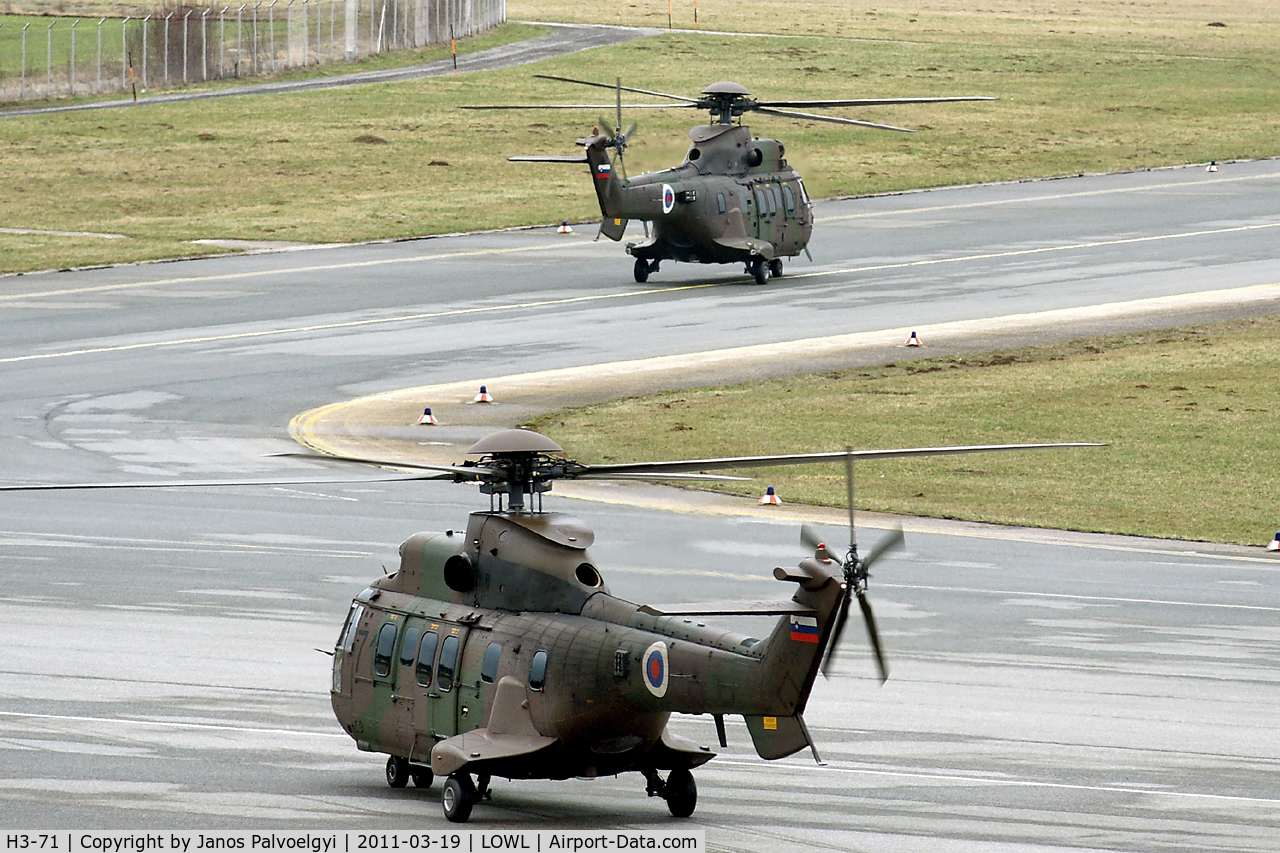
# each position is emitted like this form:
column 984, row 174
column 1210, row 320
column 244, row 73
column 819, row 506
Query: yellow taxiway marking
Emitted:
column 1206, row 183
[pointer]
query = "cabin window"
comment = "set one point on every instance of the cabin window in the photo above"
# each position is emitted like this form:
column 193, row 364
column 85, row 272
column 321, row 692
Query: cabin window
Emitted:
column 761, row 204
column 773, row 200
column 448, row 660
column 386, row 645
column 789, row 197
column 720, row 203
column 538, row 672
column 348, row 639
column 409, row 647
column 427, row 657
column 489, row 669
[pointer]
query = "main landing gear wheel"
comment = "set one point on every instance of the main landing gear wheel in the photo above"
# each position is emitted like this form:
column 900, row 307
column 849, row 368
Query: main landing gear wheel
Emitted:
column 422, row 776
column 397, row 771
column 458, row 797
column 681, row 793
column 775, row 267
column 760, row 268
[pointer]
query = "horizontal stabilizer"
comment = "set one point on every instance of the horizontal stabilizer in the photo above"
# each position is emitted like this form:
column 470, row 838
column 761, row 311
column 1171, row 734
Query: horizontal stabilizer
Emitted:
column 729, row 608
column 548, row 158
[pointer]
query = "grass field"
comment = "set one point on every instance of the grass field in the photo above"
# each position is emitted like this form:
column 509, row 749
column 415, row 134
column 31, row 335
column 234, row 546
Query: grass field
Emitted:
column 1188, row 416
column 1101, row 87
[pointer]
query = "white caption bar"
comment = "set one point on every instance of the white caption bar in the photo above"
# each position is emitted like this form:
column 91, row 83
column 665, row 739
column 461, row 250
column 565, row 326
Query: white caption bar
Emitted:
column 451, row 841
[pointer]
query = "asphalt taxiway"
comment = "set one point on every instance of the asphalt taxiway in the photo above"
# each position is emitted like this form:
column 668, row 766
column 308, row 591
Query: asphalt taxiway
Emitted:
column 1048, row 691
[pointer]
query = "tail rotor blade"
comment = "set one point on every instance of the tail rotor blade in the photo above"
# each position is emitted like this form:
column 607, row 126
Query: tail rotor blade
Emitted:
column 874, row 635
column 810, row 537
column 631, row 129
column 842, row 615
column 894, row 540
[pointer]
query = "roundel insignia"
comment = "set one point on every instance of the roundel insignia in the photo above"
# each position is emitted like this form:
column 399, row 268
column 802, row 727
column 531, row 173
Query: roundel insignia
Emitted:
column 655, row 669
column 668, row 198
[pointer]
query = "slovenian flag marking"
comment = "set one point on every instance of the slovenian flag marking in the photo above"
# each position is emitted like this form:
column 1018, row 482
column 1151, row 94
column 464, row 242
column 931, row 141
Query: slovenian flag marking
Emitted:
column 603, row 170
column 804, row 629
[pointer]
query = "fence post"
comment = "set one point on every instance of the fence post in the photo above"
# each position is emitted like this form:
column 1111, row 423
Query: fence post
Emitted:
column 185, row 18
column 48, row 64
column 333, row 51
column 288, row 34
column 255, row 37
column 166, row 48
column 222, row 42
column 22, row 90
column 73, row 56
column 204, row 44
column 124, row 54
column 304, row 32
column 100, row 23
column 239, row 57
column 271, row 11
column 145, row 22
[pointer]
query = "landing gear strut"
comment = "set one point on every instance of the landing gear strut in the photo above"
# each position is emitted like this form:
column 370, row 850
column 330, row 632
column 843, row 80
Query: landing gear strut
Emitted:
column 679, row 790
column 643, row 268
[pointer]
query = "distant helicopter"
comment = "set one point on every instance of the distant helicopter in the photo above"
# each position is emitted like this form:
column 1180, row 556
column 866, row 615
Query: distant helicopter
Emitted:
column 734, row 199
column 498, row 650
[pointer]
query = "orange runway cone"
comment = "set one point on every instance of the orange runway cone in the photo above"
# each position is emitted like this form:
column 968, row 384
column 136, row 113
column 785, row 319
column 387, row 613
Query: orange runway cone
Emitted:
column 1274, row 544
column 1213, row 166
column 914, row 341
column 427, row 418
column 483, row 396
column 565, row 227
column 770, row 498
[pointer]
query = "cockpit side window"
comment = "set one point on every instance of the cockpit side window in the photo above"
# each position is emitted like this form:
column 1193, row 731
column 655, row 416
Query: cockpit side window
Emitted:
column 348, row 639
column 720, row 202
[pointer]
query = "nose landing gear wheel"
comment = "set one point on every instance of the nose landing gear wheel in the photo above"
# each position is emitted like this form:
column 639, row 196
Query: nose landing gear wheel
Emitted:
column 397, row 771
column 760, row 268
column 458, row 797
column 642, row 270
column 681, row 793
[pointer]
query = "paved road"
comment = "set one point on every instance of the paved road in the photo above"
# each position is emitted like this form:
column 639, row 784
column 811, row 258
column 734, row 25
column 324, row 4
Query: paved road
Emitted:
column 1047, row 692
column 563, row 39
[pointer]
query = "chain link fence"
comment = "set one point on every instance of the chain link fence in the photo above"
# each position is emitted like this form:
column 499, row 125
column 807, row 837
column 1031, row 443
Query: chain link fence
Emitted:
column 50, row 57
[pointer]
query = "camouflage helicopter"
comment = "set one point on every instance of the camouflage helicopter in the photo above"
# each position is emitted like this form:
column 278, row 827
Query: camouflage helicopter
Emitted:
column 498, row 650
column 734, row 199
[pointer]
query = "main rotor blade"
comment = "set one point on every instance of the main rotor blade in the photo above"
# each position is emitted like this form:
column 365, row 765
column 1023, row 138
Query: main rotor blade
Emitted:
column 832, row 119
column 470, row 472
column 873, row 102
column 675, row 466
column 547, row 158
column 575, row 106
column 874, row 634
column 210, row 484
column 618, row 87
